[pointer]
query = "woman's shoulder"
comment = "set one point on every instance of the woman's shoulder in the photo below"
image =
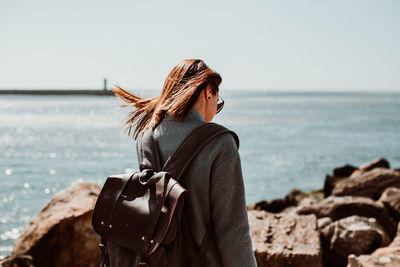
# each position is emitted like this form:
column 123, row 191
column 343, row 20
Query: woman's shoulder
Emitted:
column 229, row 136
column 223, row 145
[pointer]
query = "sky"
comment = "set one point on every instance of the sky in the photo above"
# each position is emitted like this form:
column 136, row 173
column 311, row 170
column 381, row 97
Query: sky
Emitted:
column 303, row 45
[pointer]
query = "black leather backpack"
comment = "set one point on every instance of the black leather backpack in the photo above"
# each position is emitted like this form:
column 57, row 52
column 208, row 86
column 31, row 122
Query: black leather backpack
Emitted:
column 139, row 215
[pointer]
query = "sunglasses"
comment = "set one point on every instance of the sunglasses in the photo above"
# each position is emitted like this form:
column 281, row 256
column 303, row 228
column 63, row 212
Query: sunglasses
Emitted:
column 220, row 105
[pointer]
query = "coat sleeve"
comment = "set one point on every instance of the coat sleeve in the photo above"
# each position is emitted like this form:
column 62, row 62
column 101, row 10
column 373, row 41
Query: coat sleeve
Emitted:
column 228, row 207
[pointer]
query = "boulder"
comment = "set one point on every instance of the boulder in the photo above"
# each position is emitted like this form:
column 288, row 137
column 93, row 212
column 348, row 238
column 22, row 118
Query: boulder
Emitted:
column 330, row 182
column 344, row 171
column 278, row 205
column 377, row 163
column 391, row 199
column 385, row 257
column 324, row 221
column 369, row 184
column 285, row 239
column 291, row 200
column 340, row 207
column 61, row 234
column 339, row 174
column 274, row 206
column 20, row 261
column 351, row 235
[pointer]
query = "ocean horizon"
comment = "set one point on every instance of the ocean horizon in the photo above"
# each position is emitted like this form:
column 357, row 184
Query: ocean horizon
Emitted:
column 288, row 139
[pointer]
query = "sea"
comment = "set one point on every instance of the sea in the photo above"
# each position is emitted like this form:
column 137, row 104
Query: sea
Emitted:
column 287, row 140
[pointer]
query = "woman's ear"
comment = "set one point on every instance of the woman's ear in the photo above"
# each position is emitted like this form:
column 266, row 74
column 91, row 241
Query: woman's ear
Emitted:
column 208, row 92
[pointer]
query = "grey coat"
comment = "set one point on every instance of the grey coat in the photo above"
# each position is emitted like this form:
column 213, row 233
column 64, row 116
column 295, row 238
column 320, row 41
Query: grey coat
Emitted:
column 216, row 192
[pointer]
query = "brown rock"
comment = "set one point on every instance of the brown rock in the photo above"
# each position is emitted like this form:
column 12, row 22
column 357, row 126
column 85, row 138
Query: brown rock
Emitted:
column 344, row 171
column 347, row 170
column 340, row 207
column 339, row 174
column 62, row 234
column 291, row 200
column 324, row 221
column 377, row 163
column 278, row 205
column 369, row 184
column 357, row 173
column 330, row 182
column 20, row 261
column 390, row 260
column 352, row 235
column 385, row 257
column 391, row 199
column 285, row 239
column 275, row 206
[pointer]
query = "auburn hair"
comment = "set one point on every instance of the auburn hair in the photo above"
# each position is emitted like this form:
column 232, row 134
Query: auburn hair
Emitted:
column 179, row 93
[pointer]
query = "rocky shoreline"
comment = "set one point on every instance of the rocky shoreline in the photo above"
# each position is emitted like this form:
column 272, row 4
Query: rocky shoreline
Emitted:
column 353, row 221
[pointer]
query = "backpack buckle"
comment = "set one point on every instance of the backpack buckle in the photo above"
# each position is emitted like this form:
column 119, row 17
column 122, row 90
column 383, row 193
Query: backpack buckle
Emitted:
column 103, row 249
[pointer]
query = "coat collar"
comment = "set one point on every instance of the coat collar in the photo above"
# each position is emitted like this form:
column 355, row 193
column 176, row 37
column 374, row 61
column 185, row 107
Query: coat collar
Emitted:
column 192, row 115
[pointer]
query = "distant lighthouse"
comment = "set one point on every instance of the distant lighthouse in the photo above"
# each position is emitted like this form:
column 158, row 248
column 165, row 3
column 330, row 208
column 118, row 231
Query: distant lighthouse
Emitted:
column 105, row 84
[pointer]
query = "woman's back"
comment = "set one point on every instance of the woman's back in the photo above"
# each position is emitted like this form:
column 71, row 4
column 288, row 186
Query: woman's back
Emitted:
column 215, row 192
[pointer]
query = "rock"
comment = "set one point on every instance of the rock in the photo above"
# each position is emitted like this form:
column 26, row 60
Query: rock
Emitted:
column 357, row 173
column 20, row 261
column 340, row 207
column 351, row 235
column 344, row 171
column 292, row 199
column 324, row 221
column 329, row 184
column 288, row 240
column 391, row 199
column 339, row 174
column 377, row 163
column 278, row 205
column 307, row 201
column 274, row 206
column 369, row 184
column 62, row 234
column 385, row 257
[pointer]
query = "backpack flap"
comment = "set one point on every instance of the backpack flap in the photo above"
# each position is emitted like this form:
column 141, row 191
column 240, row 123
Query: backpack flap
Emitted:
column 106, row 200
column 139, row 208
column 167, row 225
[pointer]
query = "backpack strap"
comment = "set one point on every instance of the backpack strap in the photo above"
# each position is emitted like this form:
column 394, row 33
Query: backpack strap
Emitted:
column 191, row 146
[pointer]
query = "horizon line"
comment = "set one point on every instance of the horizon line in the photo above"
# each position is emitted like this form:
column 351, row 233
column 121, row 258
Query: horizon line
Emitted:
column 233, row 89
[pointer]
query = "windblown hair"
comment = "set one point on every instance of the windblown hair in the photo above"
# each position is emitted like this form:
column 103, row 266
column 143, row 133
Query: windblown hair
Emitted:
column 180, row 91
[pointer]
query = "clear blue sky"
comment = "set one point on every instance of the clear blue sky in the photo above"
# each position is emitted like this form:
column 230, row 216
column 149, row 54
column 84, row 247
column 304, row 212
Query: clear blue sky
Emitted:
column 297, row 45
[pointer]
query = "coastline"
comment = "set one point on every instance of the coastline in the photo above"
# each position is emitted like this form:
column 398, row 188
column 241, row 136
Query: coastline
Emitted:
column 55, row 92
column 352, row 222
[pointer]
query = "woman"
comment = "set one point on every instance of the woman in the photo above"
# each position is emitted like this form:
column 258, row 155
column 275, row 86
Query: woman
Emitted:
column 189, row 99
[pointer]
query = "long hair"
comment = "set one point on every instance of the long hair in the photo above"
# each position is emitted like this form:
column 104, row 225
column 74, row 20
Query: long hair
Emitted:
column 180, row 91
